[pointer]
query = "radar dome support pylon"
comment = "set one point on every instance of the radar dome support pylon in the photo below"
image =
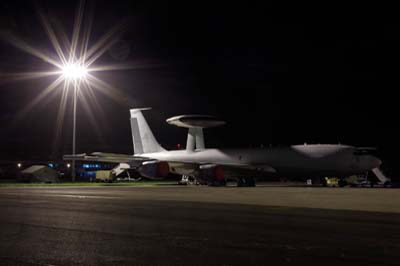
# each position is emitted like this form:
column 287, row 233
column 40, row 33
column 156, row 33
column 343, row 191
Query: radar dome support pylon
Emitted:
column 195, row 124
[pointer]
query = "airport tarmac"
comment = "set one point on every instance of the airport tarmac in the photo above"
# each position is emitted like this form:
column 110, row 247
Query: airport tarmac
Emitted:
column 179, row 225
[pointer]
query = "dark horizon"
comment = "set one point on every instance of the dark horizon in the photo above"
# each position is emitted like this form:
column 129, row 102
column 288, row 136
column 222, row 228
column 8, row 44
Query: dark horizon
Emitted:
column 277, row 78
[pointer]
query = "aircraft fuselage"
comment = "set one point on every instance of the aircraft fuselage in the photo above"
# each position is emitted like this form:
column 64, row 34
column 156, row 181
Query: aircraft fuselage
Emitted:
column 311, row 160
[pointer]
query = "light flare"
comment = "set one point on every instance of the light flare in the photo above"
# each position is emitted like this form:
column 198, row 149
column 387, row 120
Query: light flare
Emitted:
column 75, row 66
column 74, row 71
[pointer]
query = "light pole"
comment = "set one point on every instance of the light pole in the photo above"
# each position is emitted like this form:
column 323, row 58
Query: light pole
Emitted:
column 73, row 172
column 74, row 73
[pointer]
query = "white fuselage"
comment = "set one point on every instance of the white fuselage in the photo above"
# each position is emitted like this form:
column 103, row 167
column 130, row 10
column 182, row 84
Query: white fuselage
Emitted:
column 316, row 160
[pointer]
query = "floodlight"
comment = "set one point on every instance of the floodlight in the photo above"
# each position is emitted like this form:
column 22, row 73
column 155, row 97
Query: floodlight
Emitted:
column 74, row 71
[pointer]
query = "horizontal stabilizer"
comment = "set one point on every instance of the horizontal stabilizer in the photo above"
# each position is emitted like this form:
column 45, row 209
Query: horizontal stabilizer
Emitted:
column 134, row 110
column 74, row 156
column 106, row 154
column 132, row 160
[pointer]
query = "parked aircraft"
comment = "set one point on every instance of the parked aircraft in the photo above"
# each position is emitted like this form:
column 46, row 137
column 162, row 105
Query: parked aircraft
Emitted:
column 215, row 166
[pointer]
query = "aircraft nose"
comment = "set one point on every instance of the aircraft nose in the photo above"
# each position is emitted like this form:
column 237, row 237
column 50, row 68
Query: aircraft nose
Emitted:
column 374, row 162
column 369, row 162
column 378, row 162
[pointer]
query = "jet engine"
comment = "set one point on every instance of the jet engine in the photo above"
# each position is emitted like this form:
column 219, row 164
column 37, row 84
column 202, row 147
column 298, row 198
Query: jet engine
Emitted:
column 212, row 174
column 154, row 169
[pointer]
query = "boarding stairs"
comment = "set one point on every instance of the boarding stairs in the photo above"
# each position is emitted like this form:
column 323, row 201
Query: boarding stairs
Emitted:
column 378, row 173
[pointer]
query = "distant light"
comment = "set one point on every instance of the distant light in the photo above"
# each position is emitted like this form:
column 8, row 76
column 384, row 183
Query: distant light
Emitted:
column 68, row 165
column 19, row 165
column 91, row 166
column 74, row 71
column 178, row 145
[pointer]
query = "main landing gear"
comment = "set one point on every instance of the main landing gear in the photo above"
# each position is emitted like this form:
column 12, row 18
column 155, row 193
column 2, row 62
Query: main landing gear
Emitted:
column 246, row 182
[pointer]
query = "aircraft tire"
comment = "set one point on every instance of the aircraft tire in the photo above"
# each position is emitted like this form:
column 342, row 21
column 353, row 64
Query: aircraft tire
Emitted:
column 251, row 182
column 217, row 183
column 241, row 182
column 342, row 183
column 246, row 182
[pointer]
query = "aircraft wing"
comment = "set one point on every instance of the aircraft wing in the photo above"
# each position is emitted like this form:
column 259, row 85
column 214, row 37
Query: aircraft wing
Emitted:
column 107, row 157
column 248, row 167
column 231, row 169
column 146, row 167
column 181, row 167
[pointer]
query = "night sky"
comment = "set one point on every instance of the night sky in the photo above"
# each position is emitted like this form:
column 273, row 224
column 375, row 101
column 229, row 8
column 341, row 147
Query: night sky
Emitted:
column 277, row 75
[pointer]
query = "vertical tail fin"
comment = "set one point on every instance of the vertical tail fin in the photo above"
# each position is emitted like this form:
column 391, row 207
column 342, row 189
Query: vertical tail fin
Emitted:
column 143, row 139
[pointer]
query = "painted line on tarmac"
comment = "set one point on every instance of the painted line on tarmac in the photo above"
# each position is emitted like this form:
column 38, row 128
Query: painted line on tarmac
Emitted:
column 81, row 196
column 60, row 195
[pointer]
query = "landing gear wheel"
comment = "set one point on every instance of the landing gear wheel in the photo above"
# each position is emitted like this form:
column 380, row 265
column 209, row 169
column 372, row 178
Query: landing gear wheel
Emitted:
column 240, row 182
column 342, row 183
column 217, row 183
column 251, row 182
column 246, row 182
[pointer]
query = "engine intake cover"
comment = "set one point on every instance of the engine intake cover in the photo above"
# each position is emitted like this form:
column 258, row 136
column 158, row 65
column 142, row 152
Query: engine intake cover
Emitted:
column 154, row 169
column 212, row 172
